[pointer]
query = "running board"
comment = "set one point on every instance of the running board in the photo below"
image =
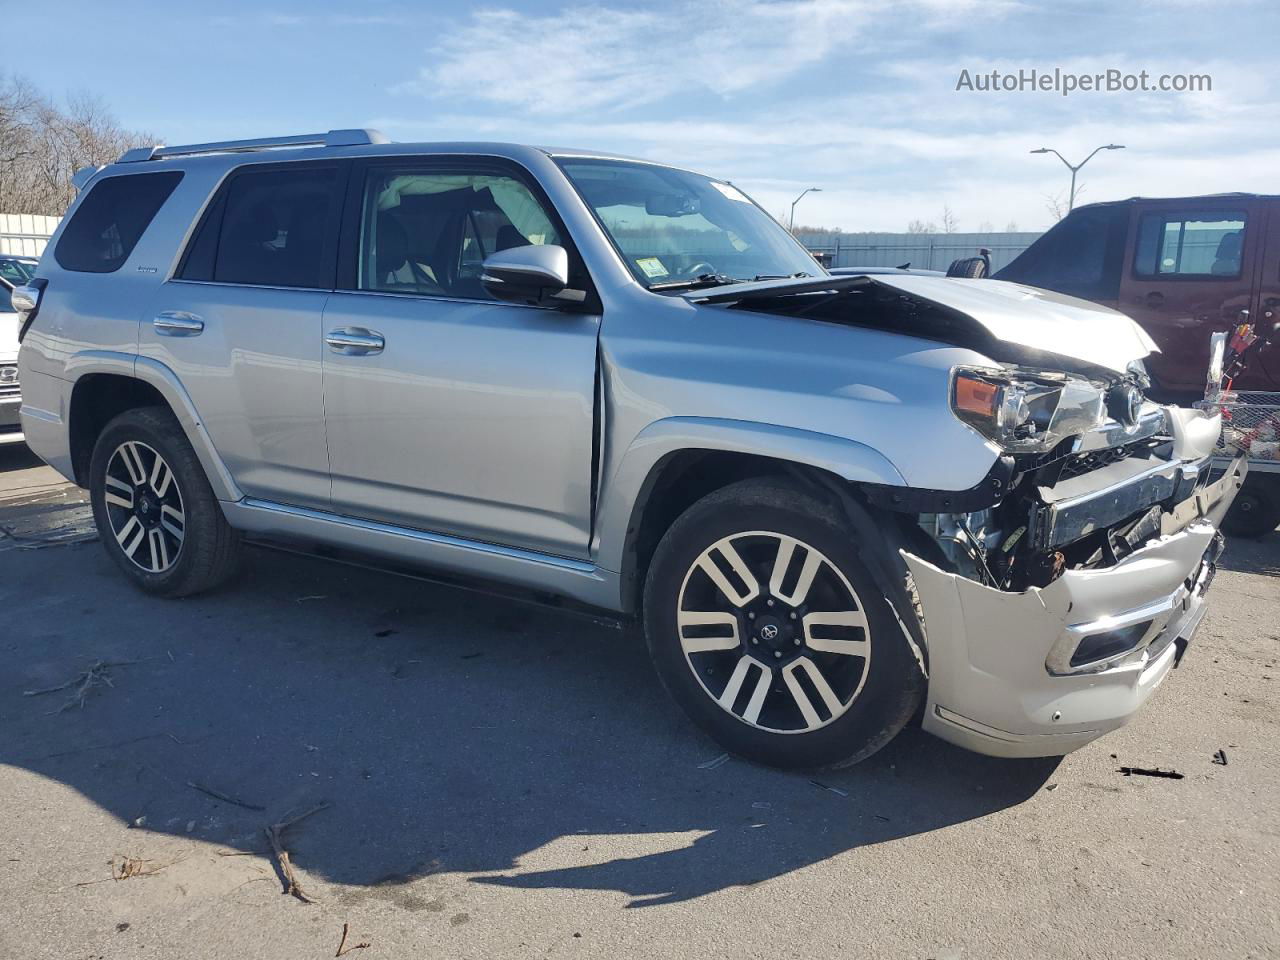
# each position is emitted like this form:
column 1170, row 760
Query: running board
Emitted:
column 542, row 572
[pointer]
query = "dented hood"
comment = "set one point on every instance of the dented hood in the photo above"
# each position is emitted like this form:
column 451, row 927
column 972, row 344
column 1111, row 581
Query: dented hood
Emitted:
column 1027, row 317
column 1035, row 318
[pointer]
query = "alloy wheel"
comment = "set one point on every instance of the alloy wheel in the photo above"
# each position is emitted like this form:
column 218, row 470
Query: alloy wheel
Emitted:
column 144, row 506
column 774, row 632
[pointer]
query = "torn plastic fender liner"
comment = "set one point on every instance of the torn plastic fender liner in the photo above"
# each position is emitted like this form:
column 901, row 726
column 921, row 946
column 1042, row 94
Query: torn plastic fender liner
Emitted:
column 988, row 649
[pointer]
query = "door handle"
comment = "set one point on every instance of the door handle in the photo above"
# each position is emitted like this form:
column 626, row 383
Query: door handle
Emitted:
column 355, row 342
column 178, row 323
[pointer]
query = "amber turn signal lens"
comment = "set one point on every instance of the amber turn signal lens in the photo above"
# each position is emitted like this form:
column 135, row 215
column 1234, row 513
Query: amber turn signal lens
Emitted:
column 977, row 396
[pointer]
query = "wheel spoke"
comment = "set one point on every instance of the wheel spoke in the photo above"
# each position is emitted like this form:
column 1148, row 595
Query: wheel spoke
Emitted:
column 756, row 703
column 820, row 684
column 159, row 550
column 726, row 587
column 846, row 618
column 734, row 686
column 132, row 459
column 122, row 498
column 126, row 532
column 161, row 477
column 702, row 644
column 173, row 520
column 808, row 570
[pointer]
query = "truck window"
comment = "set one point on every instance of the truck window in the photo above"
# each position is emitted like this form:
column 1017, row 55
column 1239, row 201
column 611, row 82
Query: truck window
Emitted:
column 1190, row 244
column 269, row 227
column 1081, row 255
column 111, row 219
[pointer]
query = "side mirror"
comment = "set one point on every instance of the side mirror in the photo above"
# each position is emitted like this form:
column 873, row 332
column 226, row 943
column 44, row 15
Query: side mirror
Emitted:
column 529, row 275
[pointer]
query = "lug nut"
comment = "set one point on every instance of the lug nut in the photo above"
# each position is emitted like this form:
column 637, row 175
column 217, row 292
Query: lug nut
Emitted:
column 769, row 601
column 777, row 654
column 793, row 614
column 751, row 616
column 797, row 641
column 754, row 640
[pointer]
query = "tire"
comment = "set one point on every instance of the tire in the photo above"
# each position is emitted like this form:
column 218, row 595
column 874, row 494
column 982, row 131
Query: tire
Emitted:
column 973, row 268
column 843, row 627
column 162, row 527
column 1256, row 510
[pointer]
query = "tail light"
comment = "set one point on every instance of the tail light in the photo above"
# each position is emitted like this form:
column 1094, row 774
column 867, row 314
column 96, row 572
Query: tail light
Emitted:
column 26, row 301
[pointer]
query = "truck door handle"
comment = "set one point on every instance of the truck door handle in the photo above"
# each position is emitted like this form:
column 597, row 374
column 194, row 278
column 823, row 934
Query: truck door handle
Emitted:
column 355, row 341
column 1155, row 299
column 178, row 323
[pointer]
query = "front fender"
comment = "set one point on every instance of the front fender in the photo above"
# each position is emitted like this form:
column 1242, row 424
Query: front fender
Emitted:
column 626, row 488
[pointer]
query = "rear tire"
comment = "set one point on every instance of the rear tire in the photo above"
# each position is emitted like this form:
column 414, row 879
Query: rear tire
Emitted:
column 768, row 630
column 154, row 509
column 1256, row 510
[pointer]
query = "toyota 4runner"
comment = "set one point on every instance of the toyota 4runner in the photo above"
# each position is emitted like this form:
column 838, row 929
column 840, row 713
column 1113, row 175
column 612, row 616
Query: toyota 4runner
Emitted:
column 834, row 502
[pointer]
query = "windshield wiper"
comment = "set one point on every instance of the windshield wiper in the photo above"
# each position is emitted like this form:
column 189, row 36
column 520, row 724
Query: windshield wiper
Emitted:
column 790, row 276
column 702, row 280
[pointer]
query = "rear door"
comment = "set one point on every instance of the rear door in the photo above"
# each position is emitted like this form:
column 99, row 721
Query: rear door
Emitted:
column 1264, row 372
column 454, row 412
column 239, row 324
column 1189, row 271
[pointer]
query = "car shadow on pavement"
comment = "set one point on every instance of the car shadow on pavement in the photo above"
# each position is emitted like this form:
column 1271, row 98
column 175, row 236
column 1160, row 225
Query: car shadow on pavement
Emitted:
column 448, row 731
column 1253, row 555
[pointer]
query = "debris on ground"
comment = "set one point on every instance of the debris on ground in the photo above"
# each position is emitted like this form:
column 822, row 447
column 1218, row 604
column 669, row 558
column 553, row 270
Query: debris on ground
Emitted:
column 275, row 838
column 57, row 539
column 1220, row 757
column 313, row 596
column 219, row 795
column 713, row 763
column 1154, row 772
column 343, row 949
column 96, row 676
column 1051, row 786
column 129, row 869
column 836, row 790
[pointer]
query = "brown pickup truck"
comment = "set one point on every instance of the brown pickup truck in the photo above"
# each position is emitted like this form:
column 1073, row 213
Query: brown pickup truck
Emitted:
column 1183, row 267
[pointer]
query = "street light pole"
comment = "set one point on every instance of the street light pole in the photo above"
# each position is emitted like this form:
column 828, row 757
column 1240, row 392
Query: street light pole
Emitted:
column 1071, row 198
column 792, row 224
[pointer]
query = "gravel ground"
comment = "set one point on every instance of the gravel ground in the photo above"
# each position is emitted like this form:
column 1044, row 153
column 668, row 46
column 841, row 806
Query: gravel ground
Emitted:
column 504, row 781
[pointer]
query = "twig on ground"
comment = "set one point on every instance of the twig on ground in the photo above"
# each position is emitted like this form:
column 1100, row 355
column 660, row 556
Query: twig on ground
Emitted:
column 274, row 833
column 218, row 795
column 1144, row 772
column 343, row 949
column 96, row 675
column 130, row 867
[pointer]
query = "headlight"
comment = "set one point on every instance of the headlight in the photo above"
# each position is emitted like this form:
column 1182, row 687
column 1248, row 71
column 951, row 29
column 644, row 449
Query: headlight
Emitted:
column 1024, row 412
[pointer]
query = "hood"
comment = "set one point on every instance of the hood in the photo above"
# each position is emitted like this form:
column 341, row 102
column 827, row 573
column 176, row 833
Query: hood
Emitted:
column 1037, row 320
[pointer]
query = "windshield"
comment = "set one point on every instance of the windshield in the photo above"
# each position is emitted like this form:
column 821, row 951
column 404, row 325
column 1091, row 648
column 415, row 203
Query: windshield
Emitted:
column 678, row 229
column 17, row 272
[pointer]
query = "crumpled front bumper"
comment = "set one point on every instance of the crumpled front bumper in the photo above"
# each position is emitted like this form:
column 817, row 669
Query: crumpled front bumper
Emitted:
column 1000, row 679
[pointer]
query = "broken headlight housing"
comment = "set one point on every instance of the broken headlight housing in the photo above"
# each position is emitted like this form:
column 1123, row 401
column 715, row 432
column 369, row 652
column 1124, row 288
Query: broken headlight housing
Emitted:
column 1025, row 411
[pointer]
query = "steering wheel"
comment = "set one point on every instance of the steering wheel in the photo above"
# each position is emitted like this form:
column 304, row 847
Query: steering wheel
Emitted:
column 699, row 268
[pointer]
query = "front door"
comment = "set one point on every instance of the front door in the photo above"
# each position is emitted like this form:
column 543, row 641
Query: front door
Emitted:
column 447, row 410
column 1189, row 271
column 1263, row 372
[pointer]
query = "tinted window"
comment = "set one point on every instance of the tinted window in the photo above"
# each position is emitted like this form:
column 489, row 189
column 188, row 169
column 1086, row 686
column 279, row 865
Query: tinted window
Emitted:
column 271, row 227
column 1184, row 243
column 111, row 219
column 1080, row 256
column 427, row 231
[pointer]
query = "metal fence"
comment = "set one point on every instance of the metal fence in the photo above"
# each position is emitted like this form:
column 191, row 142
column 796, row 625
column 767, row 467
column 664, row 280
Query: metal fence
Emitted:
column 926, row 251
column 25, row 234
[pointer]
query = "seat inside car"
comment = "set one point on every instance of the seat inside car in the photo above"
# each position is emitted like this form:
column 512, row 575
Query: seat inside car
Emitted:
column 1227, row 259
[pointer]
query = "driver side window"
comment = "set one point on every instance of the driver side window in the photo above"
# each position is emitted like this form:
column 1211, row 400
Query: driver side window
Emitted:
column 427, row 231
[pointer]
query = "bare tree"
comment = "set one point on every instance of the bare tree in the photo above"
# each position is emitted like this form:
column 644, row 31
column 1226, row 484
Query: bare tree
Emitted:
column 919, row 226
column 986, row 226
column 948, row 220
column 1011, row 226
column 43, row 144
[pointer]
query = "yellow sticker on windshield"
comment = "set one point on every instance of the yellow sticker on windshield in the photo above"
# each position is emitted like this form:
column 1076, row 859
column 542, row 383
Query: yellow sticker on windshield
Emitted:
column 652, row 267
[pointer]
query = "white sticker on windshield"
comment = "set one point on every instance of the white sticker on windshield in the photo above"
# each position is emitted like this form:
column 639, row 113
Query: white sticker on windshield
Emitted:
column 652, row 267
column 730, row 191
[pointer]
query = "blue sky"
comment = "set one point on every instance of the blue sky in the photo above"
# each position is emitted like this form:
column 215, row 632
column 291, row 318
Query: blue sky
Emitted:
column 857, row 97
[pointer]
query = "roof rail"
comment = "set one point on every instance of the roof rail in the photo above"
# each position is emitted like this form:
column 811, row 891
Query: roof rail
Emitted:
column 334, row 138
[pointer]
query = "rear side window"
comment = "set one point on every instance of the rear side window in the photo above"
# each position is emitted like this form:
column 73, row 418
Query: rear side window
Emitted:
column 111, row 219
column 1190, row 244
column 275, row 227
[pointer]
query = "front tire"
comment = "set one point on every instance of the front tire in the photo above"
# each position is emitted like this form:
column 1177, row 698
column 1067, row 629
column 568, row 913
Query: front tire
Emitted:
column 766, row 627
column 155, row 511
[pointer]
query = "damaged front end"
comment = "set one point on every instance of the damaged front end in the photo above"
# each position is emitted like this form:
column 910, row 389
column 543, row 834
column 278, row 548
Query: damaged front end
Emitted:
column 1055, row 603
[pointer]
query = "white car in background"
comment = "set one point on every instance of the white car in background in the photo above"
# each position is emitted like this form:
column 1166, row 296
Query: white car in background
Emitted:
column 10, row 401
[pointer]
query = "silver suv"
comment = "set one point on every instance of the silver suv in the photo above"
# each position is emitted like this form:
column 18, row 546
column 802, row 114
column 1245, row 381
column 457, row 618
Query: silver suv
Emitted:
column 834, row 502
